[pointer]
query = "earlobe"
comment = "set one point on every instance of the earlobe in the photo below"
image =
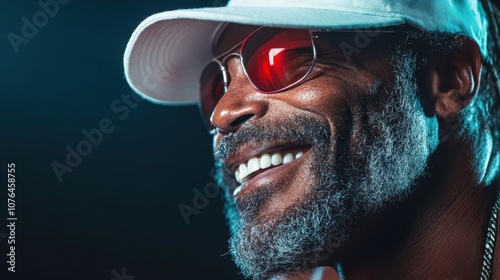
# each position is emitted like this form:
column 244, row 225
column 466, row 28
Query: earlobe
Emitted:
column 454, row 78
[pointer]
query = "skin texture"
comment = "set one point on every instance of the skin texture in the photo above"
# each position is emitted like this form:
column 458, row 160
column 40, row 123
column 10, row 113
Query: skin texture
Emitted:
column 437, row 232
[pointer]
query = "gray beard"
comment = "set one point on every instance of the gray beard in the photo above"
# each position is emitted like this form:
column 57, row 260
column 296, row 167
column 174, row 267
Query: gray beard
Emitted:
column 391, row 155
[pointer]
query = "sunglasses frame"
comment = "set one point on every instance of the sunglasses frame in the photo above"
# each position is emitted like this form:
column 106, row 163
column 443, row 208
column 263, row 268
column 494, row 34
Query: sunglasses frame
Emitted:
column 230, row 53
column 313, row 33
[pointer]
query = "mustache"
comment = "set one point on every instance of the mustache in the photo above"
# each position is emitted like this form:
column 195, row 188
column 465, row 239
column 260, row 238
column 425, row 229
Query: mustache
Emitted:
column 295, row 130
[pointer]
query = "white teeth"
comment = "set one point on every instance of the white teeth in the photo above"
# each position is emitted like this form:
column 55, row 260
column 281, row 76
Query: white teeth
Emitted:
column 288, row 157
column 237, row 190
column 253, row 165
column 276, row 159
column 243, row 171
column 263, row 162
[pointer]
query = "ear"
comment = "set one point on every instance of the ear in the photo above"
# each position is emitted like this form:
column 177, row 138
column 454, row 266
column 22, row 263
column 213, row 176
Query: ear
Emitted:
column 453, row 78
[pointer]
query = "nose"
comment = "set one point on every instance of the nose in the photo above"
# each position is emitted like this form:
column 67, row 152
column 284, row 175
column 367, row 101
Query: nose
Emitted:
column 240, row 104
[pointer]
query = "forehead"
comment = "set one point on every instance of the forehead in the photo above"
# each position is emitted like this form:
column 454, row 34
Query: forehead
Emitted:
column 230, row 35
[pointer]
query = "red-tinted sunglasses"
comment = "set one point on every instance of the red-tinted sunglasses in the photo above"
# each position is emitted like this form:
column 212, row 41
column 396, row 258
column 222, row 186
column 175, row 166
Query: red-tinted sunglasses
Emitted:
column 273, row 60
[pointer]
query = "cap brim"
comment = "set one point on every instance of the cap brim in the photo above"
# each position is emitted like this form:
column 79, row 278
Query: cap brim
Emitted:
column 167, row 52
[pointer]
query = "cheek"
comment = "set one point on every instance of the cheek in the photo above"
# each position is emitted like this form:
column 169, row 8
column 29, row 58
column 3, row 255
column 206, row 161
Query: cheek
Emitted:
column 330, row 90
column 309, row 96
column 344, row 103
column 330, row 99
column 319, row 96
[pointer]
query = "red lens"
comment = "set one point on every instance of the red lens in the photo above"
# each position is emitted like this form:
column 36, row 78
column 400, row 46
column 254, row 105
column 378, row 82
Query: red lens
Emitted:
column 273, row 59
column 211, row 90
column 276, row 58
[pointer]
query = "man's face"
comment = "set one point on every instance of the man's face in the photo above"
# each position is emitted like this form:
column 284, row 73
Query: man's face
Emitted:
column 354, row 136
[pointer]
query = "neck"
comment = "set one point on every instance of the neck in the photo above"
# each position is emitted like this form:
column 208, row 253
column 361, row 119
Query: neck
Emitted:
column 437, row 234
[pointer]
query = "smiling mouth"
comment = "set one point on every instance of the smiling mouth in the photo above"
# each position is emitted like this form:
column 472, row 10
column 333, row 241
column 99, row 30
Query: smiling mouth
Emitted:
column 265, row 161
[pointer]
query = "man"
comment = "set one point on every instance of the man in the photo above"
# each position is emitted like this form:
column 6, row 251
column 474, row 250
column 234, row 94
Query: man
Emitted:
column 355, row 139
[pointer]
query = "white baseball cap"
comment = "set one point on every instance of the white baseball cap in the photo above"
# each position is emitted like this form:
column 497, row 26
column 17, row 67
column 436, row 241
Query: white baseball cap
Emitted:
column 168, row 51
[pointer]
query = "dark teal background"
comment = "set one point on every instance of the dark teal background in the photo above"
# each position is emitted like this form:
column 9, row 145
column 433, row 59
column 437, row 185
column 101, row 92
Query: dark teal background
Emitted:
column 119, row 207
